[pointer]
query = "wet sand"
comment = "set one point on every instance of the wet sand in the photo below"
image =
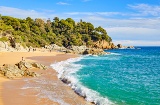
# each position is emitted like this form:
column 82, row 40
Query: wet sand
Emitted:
column 44, row 90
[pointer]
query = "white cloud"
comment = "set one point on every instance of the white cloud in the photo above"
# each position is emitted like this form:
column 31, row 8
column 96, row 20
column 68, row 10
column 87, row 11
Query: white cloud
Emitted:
column 62, row 3
column 20, row 12
column 137, row 42
column 134, row 33
column 146, row 9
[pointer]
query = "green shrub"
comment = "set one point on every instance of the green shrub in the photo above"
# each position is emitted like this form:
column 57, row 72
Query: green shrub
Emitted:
column 4, row 39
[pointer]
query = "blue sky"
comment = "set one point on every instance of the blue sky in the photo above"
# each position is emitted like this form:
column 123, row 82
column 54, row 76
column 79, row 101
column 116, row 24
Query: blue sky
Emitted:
column 130, row 22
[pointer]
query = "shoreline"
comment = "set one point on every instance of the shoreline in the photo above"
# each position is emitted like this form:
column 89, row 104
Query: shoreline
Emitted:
column 30, row 94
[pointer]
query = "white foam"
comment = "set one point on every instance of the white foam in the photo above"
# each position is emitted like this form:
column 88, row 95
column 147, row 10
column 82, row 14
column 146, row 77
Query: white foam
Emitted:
column 115, row 54
column 66, row 72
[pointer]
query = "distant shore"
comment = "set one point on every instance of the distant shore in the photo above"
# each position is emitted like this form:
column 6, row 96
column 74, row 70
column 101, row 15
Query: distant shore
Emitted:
column 14, row 93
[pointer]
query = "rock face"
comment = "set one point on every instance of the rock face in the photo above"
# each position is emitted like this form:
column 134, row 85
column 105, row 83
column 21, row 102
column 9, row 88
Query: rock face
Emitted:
column 21, row 69
column 54, row 47
column 6, row 46
column 124, row 47
column 119, row 46
column 39, row 66
column 77, row 49
column 85, row 50
column 3, row 46
column 19, row 47
column 94, row 51
column 104, row 45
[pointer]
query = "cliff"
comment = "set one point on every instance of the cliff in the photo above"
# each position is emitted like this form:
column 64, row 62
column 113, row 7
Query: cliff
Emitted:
column 103, row 44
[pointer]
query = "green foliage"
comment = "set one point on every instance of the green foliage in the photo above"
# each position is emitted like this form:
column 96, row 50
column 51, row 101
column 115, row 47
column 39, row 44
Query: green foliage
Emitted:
column 63, row 32
column 4, row 39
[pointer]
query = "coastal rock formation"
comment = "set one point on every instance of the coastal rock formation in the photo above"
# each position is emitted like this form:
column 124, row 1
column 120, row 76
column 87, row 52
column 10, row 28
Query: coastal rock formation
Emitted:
column 7, row 46
column 39, row 66
column 54, row 47
column 85, row 50
column 101, row 44
column 3, row 46
column 21, row 69
column 94, row 51
column 104, row 45
column 19, row 47
column 77, row 49
column 24, row 65
column 119, row 46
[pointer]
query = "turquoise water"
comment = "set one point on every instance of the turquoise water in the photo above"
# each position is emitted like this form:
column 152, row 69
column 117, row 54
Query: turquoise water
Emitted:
column 125, row 77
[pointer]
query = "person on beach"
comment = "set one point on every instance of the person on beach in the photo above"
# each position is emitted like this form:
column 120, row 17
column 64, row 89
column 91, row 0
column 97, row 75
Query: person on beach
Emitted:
column 22, row 59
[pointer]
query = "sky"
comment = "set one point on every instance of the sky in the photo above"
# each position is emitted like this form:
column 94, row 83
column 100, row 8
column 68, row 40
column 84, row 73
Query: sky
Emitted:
column 129, row 22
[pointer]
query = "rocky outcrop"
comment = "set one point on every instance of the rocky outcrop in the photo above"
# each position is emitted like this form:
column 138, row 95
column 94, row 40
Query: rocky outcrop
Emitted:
column 77, row 49
column 85, row 50
column 39, row 66
column 6, row 46
column 94, row 51
column 55, row 47
column 119, row 46
column 103, row 45
column 19, row 47
column 3, row 46
column 21, row 69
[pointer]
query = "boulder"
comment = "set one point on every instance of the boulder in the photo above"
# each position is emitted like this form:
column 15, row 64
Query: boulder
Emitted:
column 119, row 46
column 101, row 44
column 77, row 49
column 38, row 65
column 94, row 51
column 24, row 65
column 4, row 45
column 13, row 71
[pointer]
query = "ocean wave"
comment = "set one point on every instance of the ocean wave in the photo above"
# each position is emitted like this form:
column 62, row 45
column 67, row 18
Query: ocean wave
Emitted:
column 116, row 54
column 67, row 73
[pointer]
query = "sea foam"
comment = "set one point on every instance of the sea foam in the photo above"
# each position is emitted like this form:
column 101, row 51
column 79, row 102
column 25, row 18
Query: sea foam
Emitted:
column 67, row 73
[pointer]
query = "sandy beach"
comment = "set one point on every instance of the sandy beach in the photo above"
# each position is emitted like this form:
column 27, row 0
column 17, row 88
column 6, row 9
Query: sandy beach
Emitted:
column 44, row 90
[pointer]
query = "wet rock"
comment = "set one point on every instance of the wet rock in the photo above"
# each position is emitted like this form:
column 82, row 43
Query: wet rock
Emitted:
column 119, row 46
column 94, row 51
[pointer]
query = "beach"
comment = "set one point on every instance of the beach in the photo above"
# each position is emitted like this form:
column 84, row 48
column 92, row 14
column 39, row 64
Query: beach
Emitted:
column 44, row 90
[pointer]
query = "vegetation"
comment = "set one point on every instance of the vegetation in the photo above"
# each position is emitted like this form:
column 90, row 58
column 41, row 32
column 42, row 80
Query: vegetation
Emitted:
column 64, row 32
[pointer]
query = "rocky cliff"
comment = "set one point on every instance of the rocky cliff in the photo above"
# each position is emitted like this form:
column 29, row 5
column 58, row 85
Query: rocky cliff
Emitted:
column 104, row 45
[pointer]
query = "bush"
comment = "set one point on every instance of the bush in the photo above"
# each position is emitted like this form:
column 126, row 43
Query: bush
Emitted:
column 4, row 39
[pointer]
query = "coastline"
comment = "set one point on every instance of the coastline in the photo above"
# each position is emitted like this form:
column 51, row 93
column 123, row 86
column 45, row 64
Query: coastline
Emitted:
column 25, row 95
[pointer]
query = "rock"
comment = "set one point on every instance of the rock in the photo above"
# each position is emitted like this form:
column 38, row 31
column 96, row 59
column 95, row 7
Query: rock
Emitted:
column 130, row 47
column 38, row 65
column 78, row 49
column 119, row 46
column 101, row 44
column 55, row 47
column 24, row 65
column 11, row 71
column 4, row 45
column 33, row 74
column 94, row 51
column 19, row 47
column 20, row 69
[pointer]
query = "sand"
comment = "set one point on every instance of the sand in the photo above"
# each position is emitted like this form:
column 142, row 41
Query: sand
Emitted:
column 15, row 92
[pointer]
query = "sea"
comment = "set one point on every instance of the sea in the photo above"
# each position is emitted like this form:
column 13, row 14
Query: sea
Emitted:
column 123, row 77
